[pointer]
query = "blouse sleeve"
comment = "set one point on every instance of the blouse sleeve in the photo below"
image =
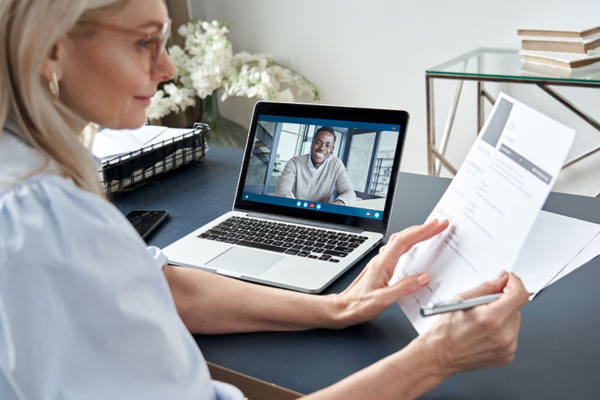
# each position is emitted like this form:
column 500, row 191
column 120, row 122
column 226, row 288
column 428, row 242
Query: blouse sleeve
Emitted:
column 83, row 311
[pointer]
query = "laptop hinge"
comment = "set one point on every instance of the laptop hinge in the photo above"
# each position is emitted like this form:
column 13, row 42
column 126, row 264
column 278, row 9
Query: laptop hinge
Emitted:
column 305, row 222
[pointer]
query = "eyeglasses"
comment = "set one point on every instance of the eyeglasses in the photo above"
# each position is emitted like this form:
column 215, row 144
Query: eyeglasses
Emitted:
column 155, row 42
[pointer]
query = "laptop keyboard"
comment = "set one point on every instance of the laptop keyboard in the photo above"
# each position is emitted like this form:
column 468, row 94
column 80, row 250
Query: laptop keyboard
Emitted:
column 278, row 237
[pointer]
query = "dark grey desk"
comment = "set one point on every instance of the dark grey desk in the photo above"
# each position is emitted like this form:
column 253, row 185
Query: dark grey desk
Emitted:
column 559, row 345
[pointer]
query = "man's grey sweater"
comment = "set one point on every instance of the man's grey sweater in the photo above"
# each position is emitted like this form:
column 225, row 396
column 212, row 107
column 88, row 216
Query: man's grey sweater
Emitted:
column 299, row 182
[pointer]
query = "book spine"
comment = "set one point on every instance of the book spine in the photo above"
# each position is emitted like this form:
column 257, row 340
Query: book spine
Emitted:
column 558, row 47
column 558, row 34
column 547, row 61
column 560, row 64
column 592, row 45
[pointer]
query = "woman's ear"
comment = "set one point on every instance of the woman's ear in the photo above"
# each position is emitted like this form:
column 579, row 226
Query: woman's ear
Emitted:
column 54, row 61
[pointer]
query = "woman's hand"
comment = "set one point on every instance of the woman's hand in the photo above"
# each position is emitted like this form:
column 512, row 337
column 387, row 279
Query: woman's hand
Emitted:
column 481, row 337
column 369, row 295
column 484, row 336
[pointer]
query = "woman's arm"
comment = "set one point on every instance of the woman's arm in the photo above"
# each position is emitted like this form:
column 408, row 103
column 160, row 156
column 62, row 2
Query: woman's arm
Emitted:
column 485, row 336
column 481, row 337
column 211, row 304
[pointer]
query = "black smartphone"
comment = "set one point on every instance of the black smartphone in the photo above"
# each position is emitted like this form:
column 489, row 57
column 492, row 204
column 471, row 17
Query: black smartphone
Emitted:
column 146, row 221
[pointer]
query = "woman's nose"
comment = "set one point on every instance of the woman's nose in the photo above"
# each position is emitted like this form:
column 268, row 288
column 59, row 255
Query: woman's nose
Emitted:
column 165, row 69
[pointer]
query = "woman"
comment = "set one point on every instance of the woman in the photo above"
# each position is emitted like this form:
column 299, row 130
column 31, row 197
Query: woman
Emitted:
column 86, row 311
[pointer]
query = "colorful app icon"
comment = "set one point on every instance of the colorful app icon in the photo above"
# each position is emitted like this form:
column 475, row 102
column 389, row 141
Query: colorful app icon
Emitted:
column 318, row 206
column 312, row 205
column 376, row 215
column 305, row 204
column 299, row 204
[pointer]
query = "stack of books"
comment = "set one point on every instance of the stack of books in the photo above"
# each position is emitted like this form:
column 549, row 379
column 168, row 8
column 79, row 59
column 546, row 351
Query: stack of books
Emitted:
column 563, row 49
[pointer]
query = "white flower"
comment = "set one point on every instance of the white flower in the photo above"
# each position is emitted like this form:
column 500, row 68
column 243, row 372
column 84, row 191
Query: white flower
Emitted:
column 207, row 64
column 186, row 30
column 176, row 52
column 285, row 95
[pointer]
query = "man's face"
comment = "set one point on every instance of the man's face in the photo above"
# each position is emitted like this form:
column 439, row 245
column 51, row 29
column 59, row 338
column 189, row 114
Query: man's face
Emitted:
column 321, row 148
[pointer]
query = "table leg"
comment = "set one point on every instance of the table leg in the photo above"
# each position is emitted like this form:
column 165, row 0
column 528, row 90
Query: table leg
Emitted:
column 595, row 124
column 430, row 122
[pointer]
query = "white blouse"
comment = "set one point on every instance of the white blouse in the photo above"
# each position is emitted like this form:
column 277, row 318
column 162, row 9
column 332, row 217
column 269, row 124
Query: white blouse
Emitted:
column 85, row 310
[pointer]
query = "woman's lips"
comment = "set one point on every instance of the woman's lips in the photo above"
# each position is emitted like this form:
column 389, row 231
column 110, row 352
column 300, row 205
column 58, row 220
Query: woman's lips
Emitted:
column 144, row 99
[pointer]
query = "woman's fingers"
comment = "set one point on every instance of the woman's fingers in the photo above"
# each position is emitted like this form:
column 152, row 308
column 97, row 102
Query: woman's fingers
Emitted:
column 403, row 241
column 408, row 285
column 491, row 287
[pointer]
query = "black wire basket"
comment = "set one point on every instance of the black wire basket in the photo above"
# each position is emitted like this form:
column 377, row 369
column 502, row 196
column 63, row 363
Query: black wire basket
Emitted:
column 132, row 170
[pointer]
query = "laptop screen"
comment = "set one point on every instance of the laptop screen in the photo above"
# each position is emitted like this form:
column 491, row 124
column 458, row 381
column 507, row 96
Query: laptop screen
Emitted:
column 323, row 163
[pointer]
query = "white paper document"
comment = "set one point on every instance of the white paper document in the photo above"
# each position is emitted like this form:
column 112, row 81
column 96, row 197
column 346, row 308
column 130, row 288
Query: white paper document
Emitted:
column 492, row 204
column 110, row 143
column 554, row 241
column 588, row 253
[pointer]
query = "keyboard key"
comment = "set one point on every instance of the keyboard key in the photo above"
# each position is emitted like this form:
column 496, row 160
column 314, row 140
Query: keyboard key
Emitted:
column 314, row 243
column 335, row 253
column 342, row 249
column 262, row 246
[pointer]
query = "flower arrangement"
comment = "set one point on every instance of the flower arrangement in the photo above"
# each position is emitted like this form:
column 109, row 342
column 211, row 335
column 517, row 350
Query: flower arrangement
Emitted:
column 207, row 64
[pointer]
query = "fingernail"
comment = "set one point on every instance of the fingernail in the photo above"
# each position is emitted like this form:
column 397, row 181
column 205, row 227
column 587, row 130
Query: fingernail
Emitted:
column 423, row 279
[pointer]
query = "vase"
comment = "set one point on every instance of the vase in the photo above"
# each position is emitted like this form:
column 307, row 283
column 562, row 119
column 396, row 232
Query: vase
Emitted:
column 223, row 132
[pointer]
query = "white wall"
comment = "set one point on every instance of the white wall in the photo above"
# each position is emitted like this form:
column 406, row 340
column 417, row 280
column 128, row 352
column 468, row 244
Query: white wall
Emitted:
column 375, row 53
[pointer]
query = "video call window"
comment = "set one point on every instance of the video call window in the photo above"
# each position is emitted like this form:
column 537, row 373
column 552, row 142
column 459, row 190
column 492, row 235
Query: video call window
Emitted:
column 366, row 154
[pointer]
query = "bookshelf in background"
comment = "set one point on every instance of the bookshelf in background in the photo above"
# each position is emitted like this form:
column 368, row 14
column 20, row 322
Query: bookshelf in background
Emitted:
column 382, row 172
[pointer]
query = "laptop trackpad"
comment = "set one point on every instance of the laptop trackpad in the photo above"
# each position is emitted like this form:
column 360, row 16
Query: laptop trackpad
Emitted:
column 244, row 261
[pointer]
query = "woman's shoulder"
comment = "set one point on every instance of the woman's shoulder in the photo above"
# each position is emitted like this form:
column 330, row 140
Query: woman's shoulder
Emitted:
column 48, row 216
column 18, row 160
column 46, row 193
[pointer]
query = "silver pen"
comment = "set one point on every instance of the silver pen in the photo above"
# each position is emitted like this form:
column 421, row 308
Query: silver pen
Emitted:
column 456, row 305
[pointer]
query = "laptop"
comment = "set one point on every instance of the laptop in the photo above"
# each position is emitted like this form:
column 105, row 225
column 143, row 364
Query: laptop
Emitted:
column 315, row 194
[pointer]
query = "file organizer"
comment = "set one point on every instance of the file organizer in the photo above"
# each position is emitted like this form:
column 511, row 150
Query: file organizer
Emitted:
column 129, row 171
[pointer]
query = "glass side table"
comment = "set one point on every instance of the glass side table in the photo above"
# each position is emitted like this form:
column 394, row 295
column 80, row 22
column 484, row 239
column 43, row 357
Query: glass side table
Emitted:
column 498, row 65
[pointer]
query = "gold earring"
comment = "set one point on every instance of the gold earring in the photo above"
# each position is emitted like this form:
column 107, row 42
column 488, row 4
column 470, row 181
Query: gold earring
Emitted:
column 54, row 88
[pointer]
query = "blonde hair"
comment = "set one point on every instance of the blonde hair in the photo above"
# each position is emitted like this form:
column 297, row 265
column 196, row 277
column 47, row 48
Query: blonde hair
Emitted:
column 28, row 31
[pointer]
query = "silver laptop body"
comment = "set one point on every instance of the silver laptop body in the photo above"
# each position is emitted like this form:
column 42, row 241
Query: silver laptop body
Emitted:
column 273, row 237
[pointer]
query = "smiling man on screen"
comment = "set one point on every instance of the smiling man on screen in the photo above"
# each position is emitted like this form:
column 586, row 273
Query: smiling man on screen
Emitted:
column 313, row 176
